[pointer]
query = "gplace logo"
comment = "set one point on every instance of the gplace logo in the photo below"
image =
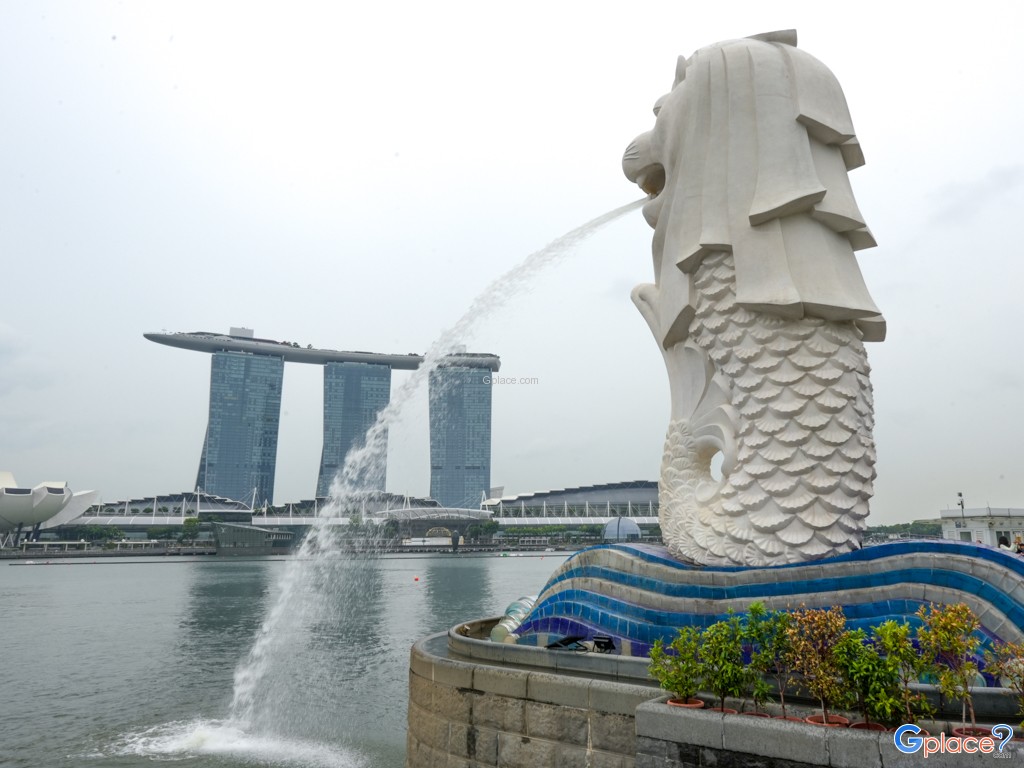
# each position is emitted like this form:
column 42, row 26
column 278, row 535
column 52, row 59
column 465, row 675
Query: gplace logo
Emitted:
column 908, row 741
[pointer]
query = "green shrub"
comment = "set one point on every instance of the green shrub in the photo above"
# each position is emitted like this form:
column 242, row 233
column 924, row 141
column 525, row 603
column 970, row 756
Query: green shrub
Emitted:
column 947, row 641
column 871, row 682
column 813, row 635
column 771, row 652
column 907, row 663
column 678, row 669
column 1006, row 661
column 721, row 659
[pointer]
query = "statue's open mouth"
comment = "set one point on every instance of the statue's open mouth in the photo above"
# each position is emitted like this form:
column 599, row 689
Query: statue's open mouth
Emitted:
column 652, row 180
column 641, row 167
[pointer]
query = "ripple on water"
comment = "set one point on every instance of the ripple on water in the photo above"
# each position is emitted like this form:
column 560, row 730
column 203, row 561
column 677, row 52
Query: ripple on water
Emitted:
column 186, row 740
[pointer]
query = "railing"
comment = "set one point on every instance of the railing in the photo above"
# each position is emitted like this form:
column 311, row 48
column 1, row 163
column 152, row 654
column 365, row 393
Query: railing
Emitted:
column 586, row 510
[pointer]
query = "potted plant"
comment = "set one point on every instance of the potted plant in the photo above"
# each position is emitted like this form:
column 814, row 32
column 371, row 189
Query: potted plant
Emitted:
column 771, row 652
column 907, row 664
column 871, row 682
column 721, row 657
column 1006, row 662
column 947, row 640
column 813, row 635
column 677, row 668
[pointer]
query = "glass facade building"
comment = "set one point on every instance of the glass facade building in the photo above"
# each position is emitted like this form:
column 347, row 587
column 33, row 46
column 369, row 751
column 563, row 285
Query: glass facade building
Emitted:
column 460, row 435
column 240, row 449
column 246, row 375
column 354, row 393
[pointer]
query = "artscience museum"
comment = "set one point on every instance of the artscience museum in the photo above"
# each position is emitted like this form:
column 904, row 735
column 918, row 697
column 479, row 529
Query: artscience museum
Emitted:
column 46, row 505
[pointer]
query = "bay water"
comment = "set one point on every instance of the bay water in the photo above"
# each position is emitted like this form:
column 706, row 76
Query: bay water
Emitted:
column 220, row 662
column 130, row 661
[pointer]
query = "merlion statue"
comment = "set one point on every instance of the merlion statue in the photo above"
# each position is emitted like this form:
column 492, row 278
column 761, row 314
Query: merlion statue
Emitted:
column 759, row 306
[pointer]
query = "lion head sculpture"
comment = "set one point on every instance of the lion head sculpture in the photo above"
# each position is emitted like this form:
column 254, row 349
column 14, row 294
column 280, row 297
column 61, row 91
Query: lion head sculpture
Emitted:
column 755, row 228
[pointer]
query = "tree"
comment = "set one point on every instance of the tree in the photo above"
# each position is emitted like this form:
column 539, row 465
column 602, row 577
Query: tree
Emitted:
column 96, row 533
column 948, row 641
column 189, row 530
column 721, row 656
column 814, row 634
column 916, row 528
column 390, row 529
column 871, row 682
column 906, row 663
column 771, row 653
column 678, row 669
column 1006, row 661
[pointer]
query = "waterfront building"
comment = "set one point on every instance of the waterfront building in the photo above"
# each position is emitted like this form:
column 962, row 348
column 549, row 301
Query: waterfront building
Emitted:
column 460, row 434
column 582, row 505
column 239, row 454
column 168, row 509
column 578, row 516
column 354, row 394
column 43, row 506
column 622, row 529
column 983, row 525
column 233, row 539
column 408, row 516
column 240, row 448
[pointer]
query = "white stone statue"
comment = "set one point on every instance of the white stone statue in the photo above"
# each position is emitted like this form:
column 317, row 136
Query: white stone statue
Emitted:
column 759, row 306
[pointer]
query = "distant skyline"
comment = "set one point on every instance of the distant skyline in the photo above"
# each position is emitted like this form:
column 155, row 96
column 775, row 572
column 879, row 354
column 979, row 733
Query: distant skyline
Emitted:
column 352, row 178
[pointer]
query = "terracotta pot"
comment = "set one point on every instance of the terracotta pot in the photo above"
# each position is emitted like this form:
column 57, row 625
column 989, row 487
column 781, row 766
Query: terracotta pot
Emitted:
column 834, row 721
column 723, row 710
column 866, row 726
column 757, row 714
column 969, row 731
column 689, row 703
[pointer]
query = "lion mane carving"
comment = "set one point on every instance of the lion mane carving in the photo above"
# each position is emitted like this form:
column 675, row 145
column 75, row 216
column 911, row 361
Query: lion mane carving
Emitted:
column 759, row 306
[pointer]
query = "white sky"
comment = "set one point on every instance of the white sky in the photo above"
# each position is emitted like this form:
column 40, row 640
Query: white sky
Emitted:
column 352, row 177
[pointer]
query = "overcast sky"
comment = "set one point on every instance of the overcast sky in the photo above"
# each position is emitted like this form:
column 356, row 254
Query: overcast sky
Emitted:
column 352, row 175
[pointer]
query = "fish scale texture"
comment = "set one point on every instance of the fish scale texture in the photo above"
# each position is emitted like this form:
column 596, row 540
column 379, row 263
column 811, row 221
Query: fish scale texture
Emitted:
column 798, row 403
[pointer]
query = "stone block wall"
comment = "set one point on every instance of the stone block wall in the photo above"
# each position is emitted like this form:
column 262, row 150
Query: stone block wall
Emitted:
column 465, row 714
column 672, row 737
column 473, row 703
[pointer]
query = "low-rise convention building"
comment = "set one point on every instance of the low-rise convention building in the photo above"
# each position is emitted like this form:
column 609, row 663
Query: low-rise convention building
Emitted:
column 584, row 505
column 983, row 525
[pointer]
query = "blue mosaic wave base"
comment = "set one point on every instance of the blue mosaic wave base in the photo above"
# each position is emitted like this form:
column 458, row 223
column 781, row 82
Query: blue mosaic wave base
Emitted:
column 638, row 593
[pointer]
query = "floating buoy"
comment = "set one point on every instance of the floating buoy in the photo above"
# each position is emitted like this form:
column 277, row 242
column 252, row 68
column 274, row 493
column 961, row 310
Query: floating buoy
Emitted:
column 415, row 578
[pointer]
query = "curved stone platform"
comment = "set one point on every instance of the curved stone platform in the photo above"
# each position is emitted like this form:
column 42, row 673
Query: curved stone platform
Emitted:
column 639, row 593
column 475, row 703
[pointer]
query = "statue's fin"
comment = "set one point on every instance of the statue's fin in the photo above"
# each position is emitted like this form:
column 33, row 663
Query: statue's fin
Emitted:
column 784, row 36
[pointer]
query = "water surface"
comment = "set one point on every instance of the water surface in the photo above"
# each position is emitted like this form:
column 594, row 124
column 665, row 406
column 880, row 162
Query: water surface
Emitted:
column 130, row 662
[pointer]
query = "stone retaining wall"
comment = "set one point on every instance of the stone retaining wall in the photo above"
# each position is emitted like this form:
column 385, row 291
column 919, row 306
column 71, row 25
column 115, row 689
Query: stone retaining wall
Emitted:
column 473, row 703
column 464, row 715
column 672, row 737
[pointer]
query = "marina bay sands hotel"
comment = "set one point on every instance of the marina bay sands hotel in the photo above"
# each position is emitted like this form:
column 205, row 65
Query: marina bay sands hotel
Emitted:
column 246, row 374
